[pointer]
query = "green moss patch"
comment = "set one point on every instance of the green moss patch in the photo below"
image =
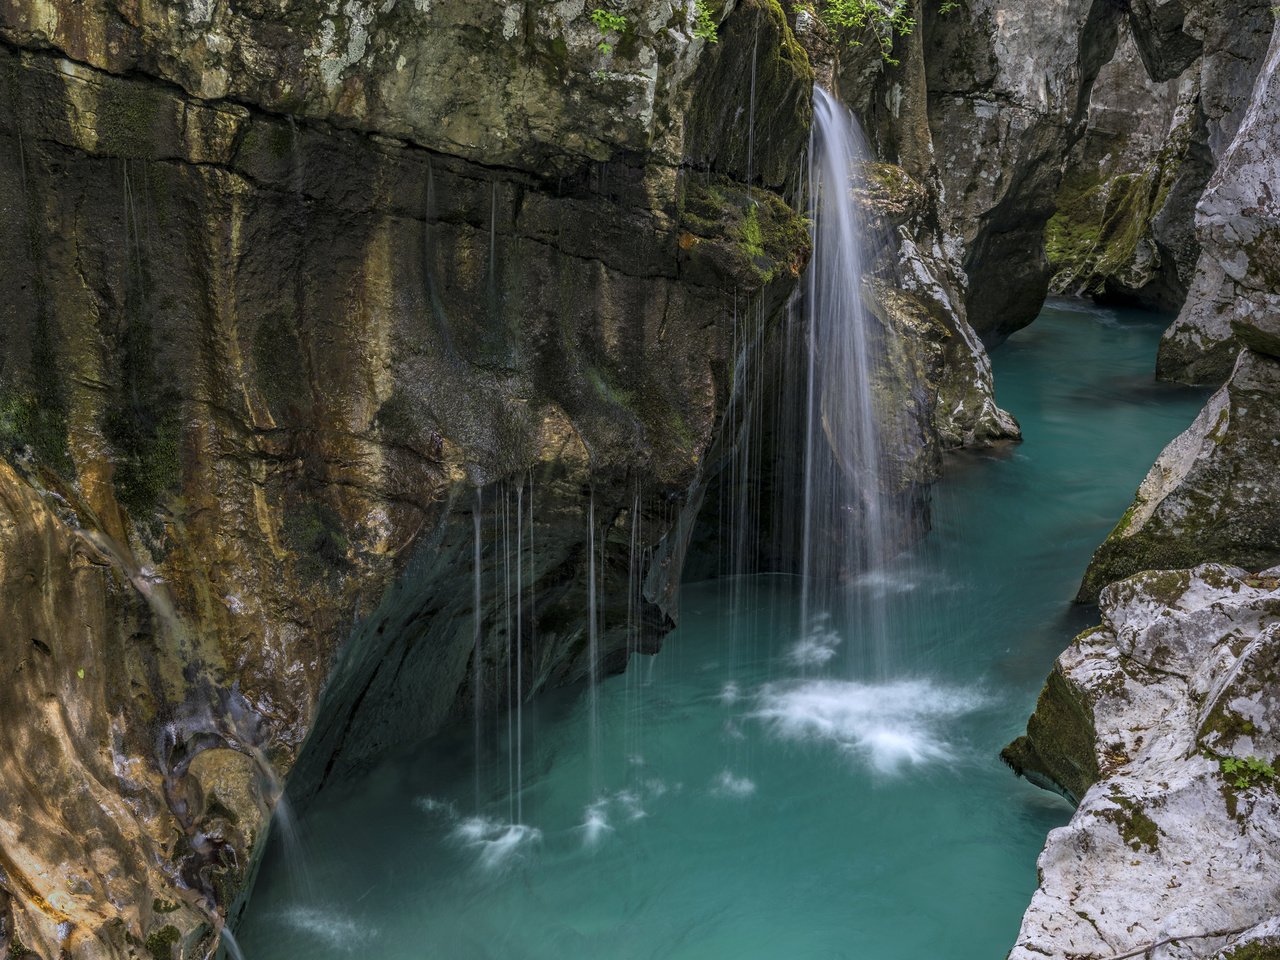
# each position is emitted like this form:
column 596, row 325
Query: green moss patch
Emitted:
column 1136, row 828
column 1059, row 746
column 1267, row 949
column 764, row 238
column 160, row 943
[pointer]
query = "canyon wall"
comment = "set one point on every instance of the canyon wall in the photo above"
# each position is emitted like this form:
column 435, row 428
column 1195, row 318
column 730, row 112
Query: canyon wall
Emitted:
column 294, row 300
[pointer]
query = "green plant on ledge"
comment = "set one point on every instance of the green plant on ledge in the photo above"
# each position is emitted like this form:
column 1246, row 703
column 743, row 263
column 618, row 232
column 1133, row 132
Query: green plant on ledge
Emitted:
column 704, row 23
column 1246, row 772
column 607, row 22
column 875, row 20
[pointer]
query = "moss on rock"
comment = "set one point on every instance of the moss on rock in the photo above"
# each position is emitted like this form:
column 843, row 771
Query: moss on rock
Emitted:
column 1058, row 749
column 1213, row 495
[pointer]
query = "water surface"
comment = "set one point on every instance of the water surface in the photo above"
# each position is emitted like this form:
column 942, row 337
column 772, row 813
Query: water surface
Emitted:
column 749, row 798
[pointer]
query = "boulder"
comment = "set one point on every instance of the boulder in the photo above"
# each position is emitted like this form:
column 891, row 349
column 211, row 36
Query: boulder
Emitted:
column 1164, row 723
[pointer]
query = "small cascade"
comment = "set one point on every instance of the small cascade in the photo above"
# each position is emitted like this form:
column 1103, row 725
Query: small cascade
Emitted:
column 518, row 786
column 285, row 827
column 230, row 948
column 593, row 643
column 477, row 654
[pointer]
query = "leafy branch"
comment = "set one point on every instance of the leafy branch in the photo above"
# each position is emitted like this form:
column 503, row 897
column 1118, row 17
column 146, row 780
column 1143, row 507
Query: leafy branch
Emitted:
column 1245, row 772
column 607, row 22
column 704, row 22
column 875, row 21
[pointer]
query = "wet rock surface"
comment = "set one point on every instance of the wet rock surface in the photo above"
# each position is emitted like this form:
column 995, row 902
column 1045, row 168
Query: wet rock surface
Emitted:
column 1234, row 299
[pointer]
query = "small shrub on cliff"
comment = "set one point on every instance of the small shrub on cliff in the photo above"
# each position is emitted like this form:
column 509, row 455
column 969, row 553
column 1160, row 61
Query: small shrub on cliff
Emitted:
column 704, row 22
column 1245, row 772
column 877, row 21
column 608, row 22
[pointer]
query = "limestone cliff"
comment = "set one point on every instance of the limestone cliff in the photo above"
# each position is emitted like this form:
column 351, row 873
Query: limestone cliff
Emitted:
column 1163, row 116
column 1234, row 298
column 1161, row 722
column 1212, row 494
column 296, row 299
column 1123, row 229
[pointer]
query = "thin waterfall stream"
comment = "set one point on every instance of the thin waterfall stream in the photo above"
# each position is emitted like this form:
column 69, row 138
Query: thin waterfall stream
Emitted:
column 809, row 768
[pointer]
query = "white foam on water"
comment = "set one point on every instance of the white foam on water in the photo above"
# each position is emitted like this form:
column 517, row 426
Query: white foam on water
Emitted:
column 433, row 806
column 730, row 693
column 496, row 844
column 595, row 823
column 729, row 785
column 332, row 929
column 815, row 650
column 656, row 788
column 888, row 726
column 630, row 803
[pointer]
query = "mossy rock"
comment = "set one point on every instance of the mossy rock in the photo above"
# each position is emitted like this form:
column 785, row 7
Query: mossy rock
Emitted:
column 751, row 234
column 721, row 133
column 160, row 943
column 1213, row 495
column 1136, row 828
column 1265, row 949
column 1058, row 749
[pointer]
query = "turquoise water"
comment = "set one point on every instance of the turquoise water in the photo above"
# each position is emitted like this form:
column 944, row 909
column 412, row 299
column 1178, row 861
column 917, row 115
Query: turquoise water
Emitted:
column 747, row 798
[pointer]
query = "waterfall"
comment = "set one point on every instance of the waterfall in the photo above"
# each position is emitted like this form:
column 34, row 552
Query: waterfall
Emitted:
column 846, row 523
column 593, row 643
column 477, row 678
column 230, row 948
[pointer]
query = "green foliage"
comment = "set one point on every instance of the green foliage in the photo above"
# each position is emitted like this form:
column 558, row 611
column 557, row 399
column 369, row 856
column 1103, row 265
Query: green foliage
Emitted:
column 26, row 421
column 861, row 21
column 608, row 22
column 704, row 24
column 1245, row 772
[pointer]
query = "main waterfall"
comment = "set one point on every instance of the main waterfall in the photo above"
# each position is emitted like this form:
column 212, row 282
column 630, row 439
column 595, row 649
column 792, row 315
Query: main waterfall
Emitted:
column 848, row 518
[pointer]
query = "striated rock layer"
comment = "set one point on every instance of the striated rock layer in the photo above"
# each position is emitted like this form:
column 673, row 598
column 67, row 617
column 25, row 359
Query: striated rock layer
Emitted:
column 1162, row 723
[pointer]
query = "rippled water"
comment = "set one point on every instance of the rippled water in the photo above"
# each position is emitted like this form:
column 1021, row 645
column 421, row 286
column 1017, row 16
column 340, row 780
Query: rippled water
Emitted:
column 754, row 798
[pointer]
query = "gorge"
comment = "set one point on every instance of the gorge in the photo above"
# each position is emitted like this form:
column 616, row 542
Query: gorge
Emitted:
column 525, row 479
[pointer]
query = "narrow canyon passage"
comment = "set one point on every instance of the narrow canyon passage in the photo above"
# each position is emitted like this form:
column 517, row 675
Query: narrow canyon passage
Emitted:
column 745, row 793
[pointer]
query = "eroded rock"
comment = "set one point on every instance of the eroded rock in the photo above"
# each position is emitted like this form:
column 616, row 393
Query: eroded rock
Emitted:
column 272, row 341
column 1234, row 298
column 1172, row 697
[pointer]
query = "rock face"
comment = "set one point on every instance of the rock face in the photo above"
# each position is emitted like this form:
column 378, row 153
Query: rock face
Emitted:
column 296, row 300
column 1214, row 492
column 1234, row 297
column 1163, row 722
column 1008, row 90
column 1124, row 222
